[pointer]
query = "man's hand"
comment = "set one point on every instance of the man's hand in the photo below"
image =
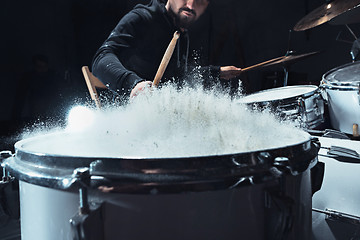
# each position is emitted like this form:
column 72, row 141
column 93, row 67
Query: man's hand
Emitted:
column 229, row 72
column 140, row 87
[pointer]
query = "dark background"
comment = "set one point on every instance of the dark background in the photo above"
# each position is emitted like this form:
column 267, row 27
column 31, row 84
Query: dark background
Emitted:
column 231, row 32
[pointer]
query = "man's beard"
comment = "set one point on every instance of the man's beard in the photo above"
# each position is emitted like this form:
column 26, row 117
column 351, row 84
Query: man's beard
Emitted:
column 183, row 21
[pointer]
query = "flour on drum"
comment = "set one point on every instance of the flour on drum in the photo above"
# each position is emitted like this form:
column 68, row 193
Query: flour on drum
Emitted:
column 171, row 123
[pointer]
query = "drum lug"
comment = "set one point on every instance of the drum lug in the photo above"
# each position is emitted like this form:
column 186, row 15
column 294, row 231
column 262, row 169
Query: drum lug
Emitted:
column 323, row 93
column 282, row 165
column 9, row 193
column 82, row 177
column 302, row 109
column 318, row 105
column 6, row 178
column 86, row 224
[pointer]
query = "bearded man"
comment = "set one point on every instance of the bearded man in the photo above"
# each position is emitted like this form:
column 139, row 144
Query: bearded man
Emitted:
column 129, row 58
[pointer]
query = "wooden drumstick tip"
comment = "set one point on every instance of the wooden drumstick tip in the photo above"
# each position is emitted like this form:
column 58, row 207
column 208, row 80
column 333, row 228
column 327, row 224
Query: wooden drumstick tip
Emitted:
column 176, row 35
column 356, row 130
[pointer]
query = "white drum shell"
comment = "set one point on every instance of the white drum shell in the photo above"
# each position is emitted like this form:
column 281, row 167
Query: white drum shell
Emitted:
column 344, row 109
column 45, row 212
column 341, row 87
column 223, row 214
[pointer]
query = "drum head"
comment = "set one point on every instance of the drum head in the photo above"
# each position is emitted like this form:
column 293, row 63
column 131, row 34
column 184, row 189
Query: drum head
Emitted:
column 345, row 75
column 279, row 94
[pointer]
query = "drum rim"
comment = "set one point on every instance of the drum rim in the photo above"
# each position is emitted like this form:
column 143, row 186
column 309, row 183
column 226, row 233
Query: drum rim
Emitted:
column 54, row 171
column 305, row 95
column 21, row 150
column 346, row 86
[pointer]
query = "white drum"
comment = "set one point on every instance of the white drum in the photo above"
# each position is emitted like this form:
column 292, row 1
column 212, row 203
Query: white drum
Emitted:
column 341, row 91
column 251, row 195
column 339, row 196
column 302, row 103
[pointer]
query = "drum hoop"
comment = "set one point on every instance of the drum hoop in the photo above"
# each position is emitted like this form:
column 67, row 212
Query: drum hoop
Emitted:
column 304, row 95
column 345, row 86
column 57, row 171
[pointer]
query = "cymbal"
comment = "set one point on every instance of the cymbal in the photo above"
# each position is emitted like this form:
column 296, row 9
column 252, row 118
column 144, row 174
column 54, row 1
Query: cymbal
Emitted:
column 291, row 59
column 348, row 17
column 325, row 13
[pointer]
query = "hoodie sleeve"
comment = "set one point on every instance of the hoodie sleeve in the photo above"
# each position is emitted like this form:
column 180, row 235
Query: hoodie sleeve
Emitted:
column 107, row 64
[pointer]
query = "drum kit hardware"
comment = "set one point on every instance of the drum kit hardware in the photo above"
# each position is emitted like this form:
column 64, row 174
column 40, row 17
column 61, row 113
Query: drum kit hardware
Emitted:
column 339, row 216
column 330, row 133
column 342, row 154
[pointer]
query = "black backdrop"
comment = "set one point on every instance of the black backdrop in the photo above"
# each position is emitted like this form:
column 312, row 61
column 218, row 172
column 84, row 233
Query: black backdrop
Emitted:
column 232, row 32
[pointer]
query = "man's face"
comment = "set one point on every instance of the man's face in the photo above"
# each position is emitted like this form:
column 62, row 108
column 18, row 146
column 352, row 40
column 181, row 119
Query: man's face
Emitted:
column 186, row 11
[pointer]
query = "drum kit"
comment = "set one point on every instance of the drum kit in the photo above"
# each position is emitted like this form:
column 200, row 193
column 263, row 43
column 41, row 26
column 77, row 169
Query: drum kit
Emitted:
column 339, row 88
column 336, row 214
column 80, row 197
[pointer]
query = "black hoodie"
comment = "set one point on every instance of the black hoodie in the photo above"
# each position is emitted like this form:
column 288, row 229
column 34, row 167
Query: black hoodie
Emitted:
column 133, row 51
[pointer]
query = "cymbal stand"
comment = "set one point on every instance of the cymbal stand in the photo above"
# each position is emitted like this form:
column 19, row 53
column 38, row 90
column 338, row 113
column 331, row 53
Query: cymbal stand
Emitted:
column 288, row 53
column 286, row 75
column 355, row 49
column 355, row 46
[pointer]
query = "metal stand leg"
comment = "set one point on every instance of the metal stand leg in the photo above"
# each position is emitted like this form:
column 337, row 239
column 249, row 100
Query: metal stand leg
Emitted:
column 286, row 76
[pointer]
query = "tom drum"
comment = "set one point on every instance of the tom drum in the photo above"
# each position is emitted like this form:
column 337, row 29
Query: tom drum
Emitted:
column 252, row 195
column 341, row 92
column 302, row 104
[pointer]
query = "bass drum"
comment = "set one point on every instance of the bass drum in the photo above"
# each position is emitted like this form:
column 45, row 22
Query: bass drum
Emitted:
column 253, row 195
column 341, row 92
column 336, row 213
column 302, row 104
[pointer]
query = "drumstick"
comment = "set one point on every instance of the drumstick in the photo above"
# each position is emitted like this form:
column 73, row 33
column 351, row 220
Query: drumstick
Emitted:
column 261, row 64
column 165, row 60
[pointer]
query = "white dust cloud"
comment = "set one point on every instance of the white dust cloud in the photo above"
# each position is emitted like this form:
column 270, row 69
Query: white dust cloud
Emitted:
column 168, row 122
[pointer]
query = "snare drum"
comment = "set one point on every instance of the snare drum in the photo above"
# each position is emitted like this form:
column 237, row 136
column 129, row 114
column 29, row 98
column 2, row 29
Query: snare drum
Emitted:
column 341, row 91
column 339, row 195
column 251, row 195
column 302, row 104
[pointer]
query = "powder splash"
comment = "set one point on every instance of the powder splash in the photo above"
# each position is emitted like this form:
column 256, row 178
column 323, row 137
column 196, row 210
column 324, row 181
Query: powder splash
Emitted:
column 168, row 122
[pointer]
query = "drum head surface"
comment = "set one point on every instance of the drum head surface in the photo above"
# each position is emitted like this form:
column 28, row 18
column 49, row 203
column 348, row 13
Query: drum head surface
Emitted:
column 348, row 74
column 63, row 144
column 278, row 93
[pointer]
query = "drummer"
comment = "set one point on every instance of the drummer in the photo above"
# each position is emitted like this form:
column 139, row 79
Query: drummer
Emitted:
column 129, row 58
